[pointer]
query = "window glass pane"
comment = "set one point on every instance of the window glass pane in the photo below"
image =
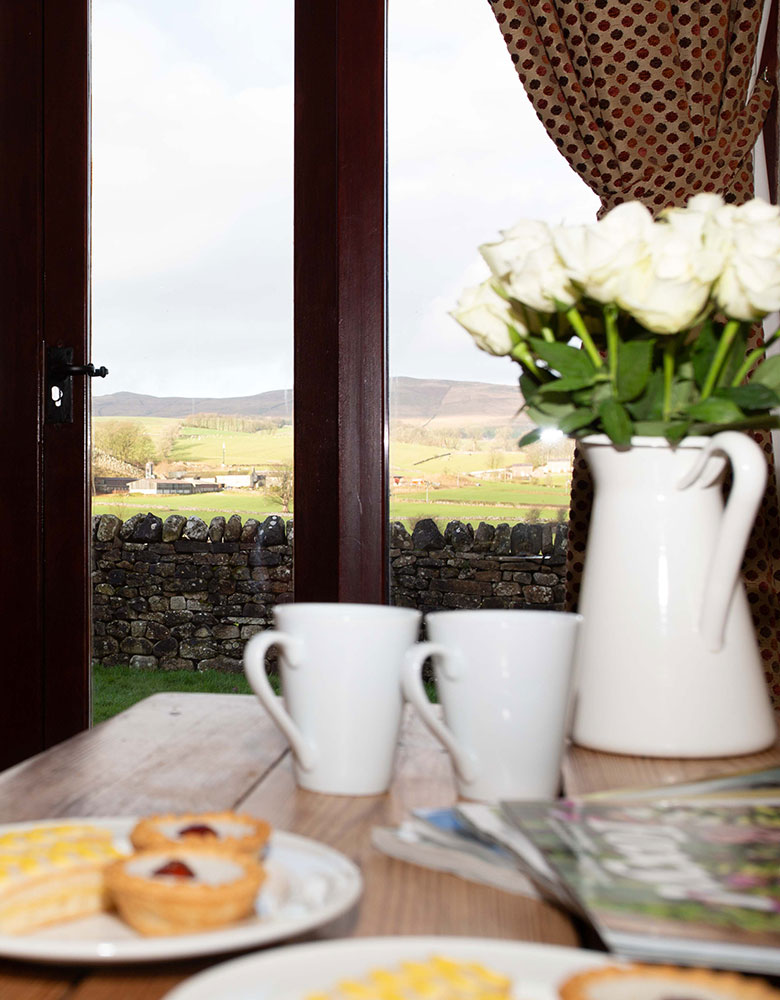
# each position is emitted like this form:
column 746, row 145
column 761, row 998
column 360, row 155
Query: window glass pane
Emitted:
column 467, row 158
column 192, row 315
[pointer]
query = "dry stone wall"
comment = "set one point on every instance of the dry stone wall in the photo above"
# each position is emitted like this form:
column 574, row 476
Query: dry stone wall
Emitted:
column 181, row 594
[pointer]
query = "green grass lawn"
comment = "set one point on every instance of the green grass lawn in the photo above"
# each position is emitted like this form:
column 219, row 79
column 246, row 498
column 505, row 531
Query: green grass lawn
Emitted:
column 116, row 688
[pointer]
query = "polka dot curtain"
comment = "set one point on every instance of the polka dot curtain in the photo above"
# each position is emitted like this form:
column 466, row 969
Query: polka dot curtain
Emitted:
column 649, row 101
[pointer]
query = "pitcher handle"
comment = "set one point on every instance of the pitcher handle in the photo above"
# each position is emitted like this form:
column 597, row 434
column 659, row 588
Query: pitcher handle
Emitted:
column 750, row 473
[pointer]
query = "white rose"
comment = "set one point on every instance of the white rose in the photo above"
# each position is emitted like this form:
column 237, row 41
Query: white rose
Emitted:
column 703, row 223
column 597, row 256
column 487, row 317
column 749, row 286
column 529, row 268
column 667, row 289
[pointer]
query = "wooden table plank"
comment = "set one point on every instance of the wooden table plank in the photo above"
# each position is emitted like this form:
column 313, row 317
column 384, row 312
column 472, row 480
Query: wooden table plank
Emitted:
column 171, row 752
column 401, row 897
column 182, row 752
column 591, row 771
column 29, row 982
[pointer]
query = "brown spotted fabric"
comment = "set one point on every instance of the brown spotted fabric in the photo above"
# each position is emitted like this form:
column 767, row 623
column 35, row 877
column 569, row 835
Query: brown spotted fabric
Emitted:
column 646, row 100
column 649, row 101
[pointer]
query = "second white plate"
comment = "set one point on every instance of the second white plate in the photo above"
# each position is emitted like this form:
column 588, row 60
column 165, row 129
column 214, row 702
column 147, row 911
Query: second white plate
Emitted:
column 293, row 973
column 308, row 884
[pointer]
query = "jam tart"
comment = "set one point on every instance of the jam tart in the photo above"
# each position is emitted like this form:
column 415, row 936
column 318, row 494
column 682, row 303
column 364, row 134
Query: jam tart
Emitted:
column 184, row 889
column 227, row 831
column 663, row 982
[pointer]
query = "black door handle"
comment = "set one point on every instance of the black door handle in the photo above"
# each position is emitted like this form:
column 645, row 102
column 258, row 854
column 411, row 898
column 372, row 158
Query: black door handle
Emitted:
column 64, row 371
column 59, row 383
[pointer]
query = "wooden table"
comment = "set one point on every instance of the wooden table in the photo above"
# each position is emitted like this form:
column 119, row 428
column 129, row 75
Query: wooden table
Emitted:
column 188, row 752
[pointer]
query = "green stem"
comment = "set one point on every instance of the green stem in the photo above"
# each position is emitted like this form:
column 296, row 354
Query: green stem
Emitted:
column 613, row 340
column 522, row 353
column 670, row 347
column 578, row 325
column 548, row 335
column 724, row 346
column 751, row 359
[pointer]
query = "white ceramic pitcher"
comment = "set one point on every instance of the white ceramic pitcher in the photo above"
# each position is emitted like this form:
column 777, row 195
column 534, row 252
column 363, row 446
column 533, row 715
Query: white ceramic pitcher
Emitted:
column 667, row 663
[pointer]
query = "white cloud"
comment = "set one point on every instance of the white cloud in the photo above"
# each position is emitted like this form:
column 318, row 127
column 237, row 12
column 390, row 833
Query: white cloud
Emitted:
column 192, row 244
column 192, row 208
column 468, row 157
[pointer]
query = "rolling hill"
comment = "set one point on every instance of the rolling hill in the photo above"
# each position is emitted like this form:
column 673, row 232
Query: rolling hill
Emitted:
column 411, row 399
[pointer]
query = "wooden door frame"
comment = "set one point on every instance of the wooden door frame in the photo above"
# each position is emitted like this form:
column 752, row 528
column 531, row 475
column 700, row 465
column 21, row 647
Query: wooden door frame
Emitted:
column 44, row 583
column 340, row 274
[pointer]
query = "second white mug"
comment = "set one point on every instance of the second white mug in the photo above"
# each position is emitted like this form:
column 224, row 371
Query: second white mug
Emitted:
column 504, row 681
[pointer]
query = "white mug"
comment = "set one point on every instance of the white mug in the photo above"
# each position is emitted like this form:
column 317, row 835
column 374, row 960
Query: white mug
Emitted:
column 504, row 681
column 341, row 685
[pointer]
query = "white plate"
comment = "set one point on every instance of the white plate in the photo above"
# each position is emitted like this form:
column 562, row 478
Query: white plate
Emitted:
column 308, row 884
column 292, row 973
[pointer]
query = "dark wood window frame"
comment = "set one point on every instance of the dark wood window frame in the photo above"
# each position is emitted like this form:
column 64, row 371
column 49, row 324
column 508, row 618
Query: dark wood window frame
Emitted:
column 340, row 337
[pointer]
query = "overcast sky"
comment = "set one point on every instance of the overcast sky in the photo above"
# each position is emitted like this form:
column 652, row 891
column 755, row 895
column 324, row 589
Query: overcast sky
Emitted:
column 192, row 196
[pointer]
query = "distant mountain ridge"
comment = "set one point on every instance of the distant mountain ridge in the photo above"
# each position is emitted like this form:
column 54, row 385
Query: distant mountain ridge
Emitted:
column 410, row 399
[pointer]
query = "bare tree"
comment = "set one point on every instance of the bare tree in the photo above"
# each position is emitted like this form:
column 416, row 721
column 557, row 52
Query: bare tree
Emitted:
column 282, row 489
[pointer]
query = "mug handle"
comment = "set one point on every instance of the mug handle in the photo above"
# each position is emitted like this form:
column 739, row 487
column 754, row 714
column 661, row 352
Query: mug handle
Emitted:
column 254, row 666
column 465, row 761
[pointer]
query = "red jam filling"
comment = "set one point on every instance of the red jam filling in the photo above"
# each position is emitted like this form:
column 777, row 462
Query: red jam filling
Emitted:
column 176, row 868
column 197, row 830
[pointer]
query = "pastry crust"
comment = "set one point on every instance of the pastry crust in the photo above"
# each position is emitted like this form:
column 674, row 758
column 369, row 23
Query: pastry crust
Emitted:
column 694, row 984
column 222, row 892
column 231, row 832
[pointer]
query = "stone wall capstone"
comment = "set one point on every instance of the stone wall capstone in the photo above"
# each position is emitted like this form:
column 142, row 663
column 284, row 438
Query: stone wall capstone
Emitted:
column 181, row 594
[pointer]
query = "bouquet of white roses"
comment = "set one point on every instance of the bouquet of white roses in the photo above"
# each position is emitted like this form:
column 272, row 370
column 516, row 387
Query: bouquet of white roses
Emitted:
column 634, row 326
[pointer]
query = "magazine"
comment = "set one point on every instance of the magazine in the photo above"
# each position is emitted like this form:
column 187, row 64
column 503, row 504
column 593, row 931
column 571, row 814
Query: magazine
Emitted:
column 689, row 880
column 737, row 785
column 438, row 839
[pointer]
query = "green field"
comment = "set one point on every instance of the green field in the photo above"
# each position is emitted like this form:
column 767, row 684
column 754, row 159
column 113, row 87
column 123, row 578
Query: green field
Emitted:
column 406, row 509
column 206, row 505
column 449, row 494
column 275, row 447
column 261, row 448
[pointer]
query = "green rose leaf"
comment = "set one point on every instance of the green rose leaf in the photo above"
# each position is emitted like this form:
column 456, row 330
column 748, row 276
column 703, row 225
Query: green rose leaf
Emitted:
column 569, row 361
column 753, row 396
column 672, row 430
column 616, row 421
column 530, row 438
column 568, row 384
column 676, row 431
column 650, row 404
column 768, row 373
column 633, row 368
column 716, row 410
column 547, row 408
column 683, row 394
column 577, row 420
